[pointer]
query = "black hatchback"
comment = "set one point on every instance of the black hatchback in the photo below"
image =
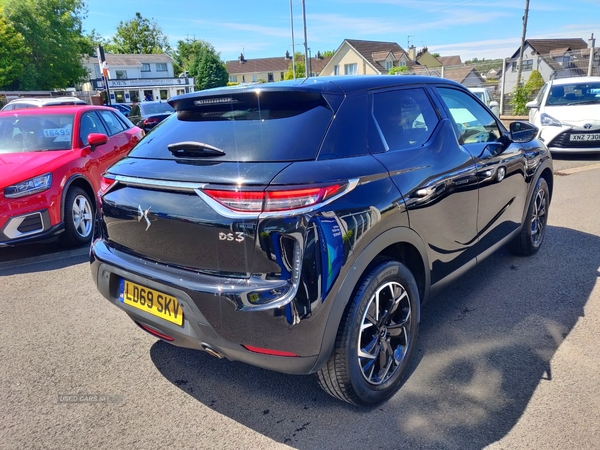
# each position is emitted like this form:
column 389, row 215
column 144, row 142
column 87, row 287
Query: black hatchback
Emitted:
column 300, row 226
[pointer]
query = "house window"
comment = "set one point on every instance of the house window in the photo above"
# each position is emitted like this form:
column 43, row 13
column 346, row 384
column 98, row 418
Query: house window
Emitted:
column 350, row 69
column 336, row 70
column 97, row 71
column 402, row 63
column 282, row 75
column 134, row 96
column 388, row 65
column 164, row 94
column 233, row 78
column 121, row 74
column 161, row 67
column 120, row 96
column 528, row 65
column 270, row 77
column 145, row 67
column 254, row 77
column 180, row 91
column 243, row 78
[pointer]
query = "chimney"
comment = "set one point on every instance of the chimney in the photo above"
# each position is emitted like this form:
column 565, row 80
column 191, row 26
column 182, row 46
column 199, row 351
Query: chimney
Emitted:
column 412, row 52
column 287, row 55
column 241, row 58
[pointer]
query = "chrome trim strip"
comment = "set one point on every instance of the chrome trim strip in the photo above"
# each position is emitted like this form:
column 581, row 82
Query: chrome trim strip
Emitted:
column 150, row 183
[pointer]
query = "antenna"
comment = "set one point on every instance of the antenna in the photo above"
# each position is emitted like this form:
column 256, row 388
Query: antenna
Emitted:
column 408, row 40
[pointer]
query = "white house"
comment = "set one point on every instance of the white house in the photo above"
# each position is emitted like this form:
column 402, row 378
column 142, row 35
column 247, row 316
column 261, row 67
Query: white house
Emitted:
column 134, row 78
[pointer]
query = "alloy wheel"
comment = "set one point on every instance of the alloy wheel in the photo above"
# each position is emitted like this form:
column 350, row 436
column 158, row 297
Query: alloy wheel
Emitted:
column 538, row 218
column 82, row 216
column 384, row 335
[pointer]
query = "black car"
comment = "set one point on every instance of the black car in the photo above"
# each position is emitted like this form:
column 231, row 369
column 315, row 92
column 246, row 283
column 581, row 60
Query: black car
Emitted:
column 300, row 226
column 147, row 115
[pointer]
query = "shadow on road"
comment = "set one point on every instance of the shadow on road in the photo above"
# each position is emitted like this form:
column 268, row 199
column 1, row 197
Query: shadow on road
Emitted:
column 486, row 343
column 30, row 258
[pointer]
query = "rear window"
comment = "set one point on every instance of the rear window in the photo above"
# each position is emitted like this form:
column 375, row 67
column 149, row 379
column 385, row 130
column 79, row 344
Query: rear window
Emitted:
column 21, row 132
column 263, row 126
column 156, row 108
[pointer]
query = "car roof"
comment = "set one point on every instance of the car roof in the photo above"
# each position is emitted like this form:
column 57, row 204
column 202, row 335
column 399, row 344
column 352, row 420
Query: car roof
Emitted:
column 59, row 109
column 325, row 85
column 571, row 80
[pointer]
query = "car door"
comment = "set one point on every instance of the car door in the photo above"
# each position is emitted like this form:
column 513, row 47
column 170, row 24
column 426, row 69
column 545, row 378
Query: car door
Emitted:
column 501, row 167
column 435, row 175
column 120, row 140
column 103, row 155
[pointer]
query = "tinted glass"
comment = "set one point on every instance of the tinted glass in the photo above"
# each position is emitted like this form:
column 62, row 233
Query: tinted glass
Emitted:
column 90, row 123
column 112, row 122
column 156, row 108
column 473, row 122
column 405, row 118
column 271, row 126
column 20, row 132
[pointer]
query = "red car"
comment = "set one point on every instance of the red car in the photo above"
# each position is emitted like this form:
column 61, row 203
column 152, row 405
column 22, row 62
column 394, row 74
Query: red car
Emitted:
column 51, row 163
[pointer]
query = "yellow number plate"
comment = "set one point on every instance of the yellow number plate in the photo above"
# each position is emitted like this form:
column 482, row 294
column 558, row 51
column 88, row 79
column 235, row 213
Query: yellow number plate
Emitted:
column 153, row 302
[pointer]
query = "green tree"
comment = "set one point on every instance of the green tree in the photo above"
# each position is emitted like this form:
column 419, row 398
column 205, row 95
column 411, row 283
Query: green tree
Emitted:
column 398, row 69
column 139, row 36
column 327, row 53
column 521, row 95
column 187, row 51
column 208, row 71
column 535, row 82
column 13, row 52
column 300, row 68
column 53, row 33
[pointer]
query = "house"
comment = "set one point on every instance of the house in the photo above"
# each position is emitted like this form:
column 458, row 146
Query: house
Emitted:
column 133, row 78
column 465, row 75
column 553, row 58
column 257, row 70
column 356, row 57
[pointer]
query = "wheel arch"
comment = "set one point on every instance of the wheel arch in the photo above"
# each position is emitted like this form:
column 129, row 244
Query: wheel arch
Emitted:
column 82, row 182
column 402, row 244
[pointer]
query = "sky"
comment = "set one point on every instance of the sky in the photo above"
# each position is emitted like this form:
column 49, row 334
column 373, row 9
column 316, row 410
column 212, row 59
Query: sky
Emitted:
column 261, row 29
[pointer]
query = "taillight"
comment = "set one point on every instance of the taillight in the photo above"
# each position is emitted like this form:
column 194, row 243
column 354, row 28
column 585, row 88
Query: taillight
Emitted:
column 276, row 200
column 105, row 183
column 151, row 121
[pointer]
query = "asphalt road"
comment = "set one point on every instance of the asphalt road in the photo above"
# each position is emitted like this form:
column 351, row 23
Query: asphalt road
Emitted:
column 507, row 359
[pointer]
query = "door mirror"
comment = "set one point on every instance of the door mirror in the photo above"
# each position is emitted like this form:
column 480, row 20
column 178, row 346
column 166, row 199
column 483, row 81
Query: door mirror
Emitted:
column 96, row 139
column 533, row 104
column 521, row 131
column 493, row 104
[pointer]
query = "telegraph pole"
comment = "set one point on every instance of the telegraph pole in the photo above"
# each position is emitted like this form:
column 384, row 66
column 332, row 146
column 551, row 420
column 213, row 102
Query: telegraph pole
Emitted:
column 293, row 48
column 305, row 43
column 520, row 63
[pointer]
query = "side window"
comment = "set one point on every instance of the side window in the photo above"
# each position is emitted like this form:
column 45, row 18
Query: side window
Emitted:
column 473, row 122
column 112, row 122
column 90, row 123
column 405, row 118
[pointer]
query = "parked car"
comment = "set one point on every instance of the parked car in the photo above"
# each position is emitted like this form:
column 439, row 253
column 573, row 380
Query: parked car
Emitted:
column 485, row 96
column 567, row 112
column 299, row 226
column 51, row 162
column 121, row 107
column 22, row 103
column 147, row 115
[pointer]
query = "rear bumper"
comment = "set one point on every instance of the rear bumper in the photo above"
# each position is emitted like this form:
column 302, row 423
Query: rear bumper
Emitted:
column 211, row 319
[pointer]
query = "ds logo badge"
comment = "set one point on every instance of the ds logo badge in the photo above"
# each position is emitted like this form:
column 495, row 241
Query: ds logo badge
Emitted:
column 144, row 215
column 237, row 236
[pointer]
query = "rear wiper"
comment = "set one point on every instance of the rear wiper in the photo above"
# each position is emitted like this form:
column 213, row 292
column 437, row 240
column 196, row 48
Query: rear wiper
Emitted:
column 193, row 148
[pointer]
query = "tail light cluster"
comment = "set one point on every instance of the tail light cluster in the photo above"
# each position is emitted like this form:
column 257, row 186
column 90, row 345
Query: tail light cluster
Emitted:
column 150, row 122
column 276, row 200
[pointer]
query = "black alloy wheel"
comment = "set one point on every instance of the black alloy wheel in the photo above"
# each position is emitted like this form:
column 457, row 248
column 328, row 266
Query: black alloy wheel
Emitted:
column 531, row 237
column 376, row 338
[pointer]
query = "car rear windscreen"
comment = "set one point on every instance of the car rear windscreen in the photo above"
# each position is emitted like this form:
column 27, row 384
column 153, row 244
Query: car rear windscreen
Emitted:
column 250, row 126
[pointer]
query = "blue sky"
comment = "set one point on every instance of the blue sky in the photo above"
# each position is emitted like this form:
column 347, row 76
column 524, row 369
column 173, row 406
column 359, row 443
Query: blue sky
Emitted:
column 469, row 28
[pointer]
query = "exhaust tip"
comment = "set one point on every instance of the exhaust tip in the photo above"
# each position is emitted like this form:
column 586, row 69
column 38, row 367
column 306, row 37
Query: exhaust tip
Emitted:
column 211, row 351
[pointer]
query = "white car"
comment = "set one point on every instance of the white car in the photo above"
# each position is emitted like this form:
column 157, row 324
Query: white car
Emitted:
column 28, row 102
column 484, row 95
column 567, row 113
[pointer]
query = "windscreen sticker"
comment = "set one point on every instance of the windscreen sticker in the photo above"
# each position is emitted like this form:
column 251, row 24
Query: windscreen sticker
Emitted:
column 59, row 134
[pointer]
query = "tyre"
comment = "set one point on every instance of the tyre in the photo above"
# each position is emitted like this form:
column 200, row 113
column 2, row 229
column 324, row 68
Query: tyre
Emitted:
column 376, row 338
column 78, row 218
column 531, row 237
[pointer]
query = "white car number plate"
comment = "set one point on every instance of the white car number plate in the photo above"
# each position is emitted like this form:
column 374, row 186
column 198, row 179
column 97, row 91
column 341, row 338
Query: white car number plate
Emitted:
column 586, row 137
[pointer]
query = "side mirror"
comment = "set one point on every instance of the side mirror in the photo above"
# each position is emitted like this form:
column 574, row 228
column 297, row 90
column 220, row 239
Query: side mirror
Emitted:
column 522, row 132
column 96, row 139
column 533, row 104
column 493, row 104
